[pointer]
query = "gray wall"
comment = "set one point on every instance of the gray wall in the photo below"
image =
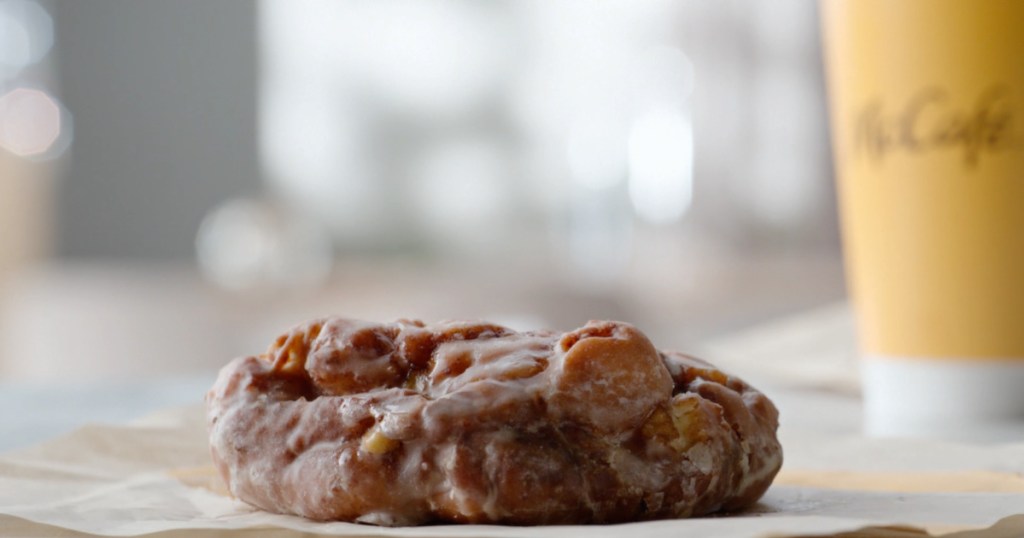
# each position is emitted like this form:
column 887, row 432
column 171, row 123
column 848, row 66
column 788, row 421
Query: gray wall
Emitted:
column 163, row 98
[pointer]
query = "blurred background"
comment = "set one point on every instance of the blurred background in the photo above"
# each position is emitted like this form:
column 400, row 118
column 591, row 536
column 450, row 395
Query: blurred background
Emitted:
column 182, row 181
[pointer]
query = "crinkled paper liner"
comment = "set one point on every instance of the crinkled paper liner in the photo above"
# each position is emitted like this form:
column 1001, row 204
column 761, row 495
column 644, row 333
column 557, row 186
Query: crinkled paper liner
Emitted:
column 154, row 478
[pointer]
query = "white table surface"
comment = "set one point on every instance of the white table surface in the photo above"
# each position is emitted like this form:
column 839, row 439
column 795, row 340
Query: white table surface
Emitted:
column 31, row 412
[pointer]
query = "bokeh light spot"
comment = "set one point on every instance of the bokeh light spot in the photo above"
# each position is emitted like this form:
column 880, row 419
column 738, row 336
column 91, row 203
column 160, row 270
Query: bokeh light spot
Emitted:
column 30, row 121
column 26, row 33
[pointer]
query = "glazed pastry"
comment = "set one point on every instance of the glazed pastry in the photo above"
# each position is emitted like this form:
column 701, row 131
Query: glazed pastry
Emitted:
column 405, row 423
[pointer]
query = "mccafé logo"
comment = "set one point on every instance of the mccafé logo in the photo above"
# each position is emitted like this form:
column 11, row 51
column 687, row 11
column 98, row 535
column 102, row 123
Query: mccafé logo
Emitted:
column 929, row 121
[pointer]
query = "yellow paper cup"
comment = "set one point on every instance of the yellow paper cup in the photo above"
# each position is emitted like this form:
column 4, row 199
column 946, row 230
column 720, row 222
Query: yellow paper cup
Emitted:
column 927, row 111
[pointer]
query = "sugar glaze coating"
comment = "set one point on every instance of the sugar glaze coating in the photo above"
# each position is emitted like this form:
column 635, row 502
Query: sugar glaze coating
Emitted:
column 405, row 423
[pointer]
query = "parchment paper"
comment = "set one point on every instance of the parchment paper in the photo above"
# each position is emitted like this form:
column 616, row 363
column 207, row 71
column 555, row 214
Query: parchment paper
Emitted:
column 154, row 476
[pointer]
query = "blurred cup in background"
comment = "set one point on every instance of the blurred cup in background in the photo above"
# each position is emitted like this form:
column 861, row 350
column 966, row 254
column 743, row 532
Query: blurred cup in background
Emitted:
column 927, row 99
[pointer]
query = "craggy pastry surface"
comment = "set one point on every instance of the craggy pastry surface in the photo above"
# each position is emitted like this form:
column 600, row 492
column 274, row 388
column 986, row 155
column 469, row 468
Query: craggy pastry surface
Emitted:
column 405, row 423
